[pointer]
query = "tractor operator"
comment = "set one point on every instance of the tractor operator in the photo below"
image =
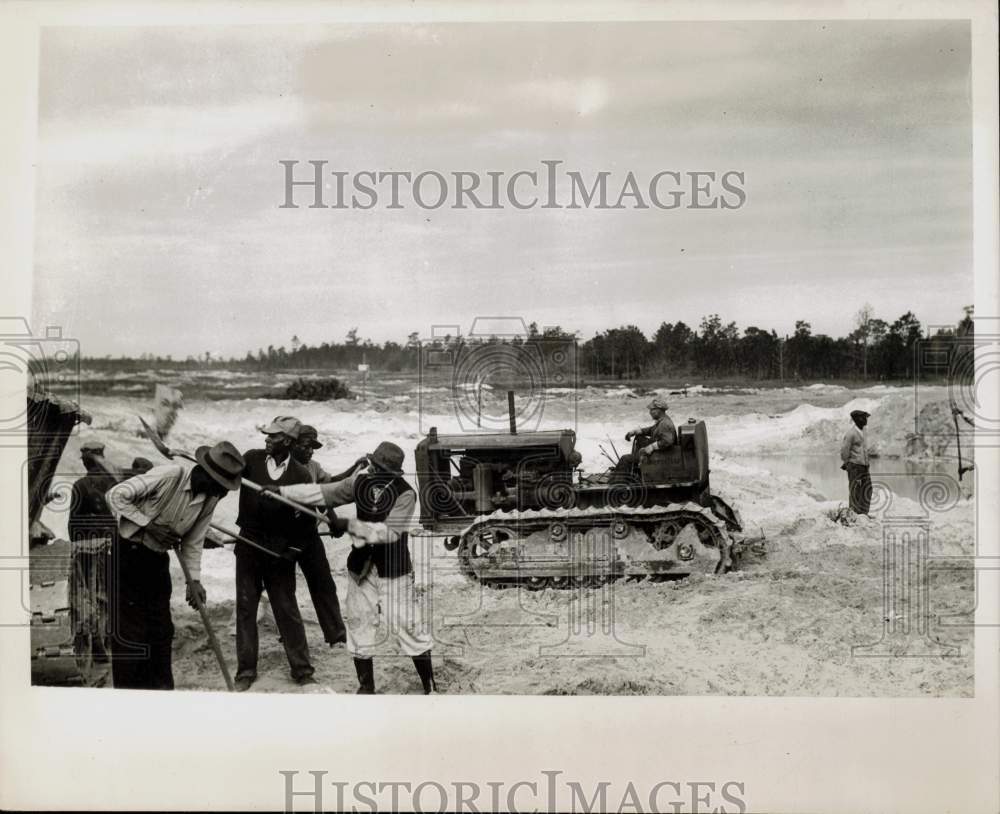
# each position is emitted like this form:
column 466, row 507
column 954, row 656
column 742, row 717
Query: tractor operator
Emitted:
column 658, row 435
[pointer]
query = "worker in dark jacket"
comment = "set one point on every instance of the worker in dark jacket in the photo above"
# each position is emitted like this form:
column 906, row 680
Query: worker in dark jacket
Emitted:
column 381, row 589
column 89, row 515
column 280, row 529
column 658, row 435
column 91, row 529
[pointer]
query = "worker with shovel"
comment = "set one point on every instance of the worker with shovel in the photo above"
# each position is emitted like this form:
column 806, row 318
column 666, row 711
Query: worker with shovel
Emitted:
column 169, row 506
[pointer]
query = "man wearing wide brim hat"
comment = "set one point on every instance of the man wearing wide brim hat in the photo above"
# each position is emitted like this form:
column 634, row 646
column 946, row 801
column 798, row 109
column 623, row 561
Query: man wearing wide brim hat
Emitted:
column 658, row 435
column 279, row 529
column 381, row 605
column 167, row 507
column 854, row 458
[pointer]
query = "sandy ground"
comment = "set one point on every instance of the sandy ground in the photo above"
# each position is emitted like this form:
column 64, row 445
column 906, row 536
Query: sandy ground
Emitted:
column 785, row 624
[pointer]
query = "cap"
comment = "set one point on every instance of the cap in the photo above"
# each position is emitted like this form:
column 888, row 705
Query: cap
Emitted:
column 95, row 447
column 389, row 457
column 309, row 433
column 658, row 404
column 284, row 424
column 859, row 414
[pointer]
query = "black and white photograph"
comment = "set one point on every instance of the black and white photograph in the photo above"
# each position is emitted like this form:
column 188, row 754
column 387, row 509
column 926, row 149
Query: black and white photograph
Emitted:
column 426, row 355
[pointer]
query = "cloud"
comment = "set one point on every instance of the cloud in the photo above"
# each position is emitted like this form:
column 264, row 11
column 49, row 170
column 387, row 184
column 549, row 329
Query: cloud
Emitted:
column 153, row 133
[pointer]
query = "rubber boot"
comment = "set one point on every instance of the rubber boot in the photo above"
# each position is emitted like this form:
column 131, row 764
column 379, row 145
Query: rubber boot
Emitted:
column 366, row 676
column 425, row 669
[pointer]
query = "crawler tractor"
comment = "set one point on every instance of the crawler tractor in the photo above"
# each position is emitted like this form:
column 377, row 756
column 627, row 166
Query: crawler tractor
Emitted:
column 517, row 510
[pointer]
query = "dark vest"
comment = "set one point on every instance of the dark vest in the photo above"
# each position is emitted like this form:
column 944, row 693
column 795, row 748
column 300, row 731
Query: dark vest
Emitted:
column 374, row 497
column 264, row 519
column 89, row 515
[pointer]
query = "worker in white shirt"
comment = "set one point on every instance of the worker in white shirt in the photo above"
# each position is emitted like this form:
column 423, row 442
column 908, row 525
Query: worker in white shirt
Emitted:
column 167, row 507
column 854, row 457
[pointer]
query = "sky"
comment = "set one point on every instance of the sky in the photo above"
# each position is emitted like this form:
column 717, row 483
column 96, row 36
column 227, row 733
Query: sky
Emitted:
column 159, row 227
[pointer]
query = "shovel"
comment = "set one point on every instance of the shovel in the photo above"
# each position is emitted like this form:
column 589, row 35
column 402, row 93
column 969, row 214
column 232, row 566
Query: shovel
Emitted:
column 214, row 642
column 167, row 452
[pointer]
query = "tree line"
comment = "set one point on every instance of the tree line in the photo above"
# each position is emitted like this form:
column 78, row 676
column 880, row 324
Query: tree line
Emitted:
column 875, row 350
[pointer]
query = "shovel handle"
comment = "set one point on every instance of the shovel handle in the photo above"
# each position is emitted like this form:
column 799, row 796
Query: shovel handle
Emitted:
column 214, row 642
column 167, row 452
column 249, row 542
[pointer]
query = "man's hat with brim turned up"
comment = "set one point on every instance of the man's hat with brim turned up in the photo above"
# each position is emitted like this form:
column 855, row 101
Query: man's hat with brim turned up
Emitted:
column 309, row 434
column 283, row 425
column 388, row 457
column 859, row 414
column 223, row 462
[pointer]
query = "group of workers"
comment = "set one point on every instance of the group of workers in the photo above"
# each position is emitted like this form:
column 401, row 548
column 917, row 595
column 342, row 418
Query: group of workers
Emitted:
column 147, row 511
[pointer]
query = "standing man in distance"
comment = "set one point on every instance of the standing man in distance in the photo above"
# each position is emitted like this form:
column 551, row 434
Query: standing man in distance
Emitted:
column 854, row 457
column 167, row 507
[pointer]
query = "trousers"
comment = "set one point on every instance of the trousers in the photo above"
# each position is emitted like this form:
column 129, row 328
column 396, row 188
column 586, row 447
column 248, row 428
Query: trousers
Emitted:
column 141, row 632
column 859, row 488
column 323, row 590
column 255, row 573
column 381, row 612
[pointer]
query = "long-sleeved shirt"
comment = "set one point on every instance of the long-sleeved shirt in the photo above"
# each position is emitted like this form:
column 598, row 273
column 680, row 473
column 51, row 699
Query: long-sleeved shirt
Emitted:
column 318, row 473
column 341, row 493
column 853, row 449
column 663, row 432
column 163, row 495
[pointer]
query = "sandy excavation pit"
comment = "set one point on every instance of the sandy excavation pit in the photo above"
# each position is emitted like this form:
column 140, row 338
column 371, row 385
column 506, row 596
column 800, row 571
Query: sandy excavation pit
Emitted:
column 782, row 625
